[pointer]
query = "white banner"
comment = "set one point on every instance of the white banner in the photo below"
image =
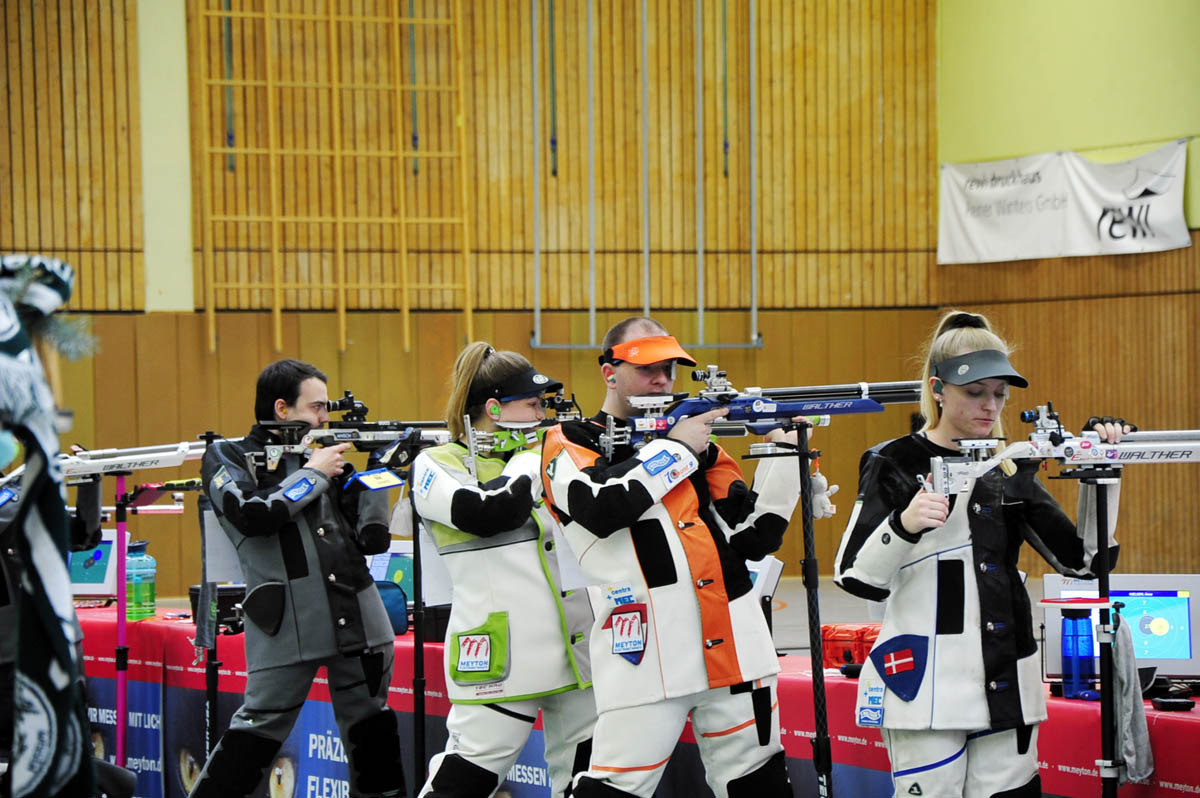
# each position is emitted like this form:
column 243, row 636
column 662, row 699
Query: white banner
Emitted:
column 1061, row 204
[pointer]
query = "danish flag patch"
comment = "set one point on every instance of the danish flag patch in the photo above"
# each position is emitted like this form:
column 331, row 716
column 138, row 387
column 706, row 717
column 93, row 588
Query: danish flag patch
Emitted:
column 898, row 661
column 901, row 661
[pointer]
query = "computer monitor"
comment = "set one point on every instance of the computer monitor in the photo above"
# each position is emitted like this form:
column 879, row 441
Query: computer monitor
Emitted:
column 94, row 572
column 394, row 565
column 1162, row 610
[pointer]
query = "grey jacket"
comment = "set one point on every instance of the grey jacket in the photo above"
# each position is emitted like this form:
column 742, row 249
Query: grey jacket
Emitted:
column 300, row 538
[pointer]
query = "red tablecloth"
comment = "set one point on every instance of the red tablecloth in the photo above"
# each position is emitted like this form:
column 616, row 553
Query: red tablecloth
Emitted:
column 1069, row 742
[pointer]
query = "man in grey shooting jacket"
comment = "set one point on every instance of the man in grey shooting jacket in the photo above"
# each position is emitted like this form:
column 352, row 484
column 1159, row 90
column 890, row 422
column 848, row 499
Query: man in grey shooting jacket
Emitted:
column 301, row 531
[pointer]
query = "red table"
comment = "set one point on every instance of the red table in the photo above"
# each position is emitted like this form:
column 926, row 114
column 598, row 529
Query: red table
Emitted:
column 1069, row 742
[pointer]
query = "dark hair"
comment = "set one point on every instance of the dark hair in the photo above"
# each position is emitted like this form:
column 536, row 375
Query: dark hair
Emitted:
column 619, row 332
column 281, row 380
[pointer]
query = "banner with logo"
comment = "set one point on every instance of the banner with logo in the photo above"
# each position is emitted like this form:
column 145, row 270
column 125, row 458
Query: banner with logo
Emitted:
column 1060, row 204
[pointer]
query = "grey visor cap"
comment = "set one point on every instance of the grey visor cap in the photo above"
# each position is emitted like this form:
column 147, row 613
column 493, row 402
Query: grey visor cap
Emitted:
column 986, row 364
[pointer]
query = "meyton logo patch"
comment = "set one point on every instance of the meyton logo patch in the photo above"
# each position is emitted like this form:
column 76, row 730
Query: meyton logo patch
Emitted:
column 628, row 625
column 474, row 653
column 301, row 489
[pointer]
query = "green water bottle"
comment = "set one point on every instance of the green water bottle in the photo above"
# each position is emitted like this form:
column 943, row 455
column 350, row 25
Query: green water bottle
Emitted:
column 139, row 582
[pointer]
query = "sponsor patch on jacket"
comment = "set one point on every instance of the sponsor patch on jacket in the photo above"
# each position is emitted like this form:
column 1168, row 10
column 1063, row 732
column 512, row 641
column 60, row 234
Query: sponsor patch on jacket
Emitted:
column 658, row 463
column 425, row 482
column 618, row 593
column 7, row 495
column 900, row 661
column 221, row 478
column 301, row 489
column 628, row 625
column 870, row 703
column 474, row 653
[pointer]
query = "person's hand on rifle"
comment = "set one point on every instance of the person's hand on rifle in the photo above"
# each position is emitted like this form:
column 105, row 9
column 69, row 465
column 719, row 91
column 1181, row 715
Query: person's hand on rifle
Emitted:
column 926, row 511
column 329, row 460
column 1110, row 429
column 694, row 430
column 777, row 435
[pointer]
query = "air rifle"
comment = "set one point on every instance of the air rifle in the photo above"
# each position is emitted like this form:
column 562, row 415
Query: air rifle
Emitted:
column 401, row 439
column 756, row 410
column 1050, row 441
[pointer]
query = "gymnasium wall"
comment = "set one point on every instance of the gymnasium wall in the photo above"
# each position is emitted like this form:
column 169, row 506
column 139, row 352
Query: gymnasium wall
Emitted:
column 847, row 147
column 845, row 134
column 71, row 173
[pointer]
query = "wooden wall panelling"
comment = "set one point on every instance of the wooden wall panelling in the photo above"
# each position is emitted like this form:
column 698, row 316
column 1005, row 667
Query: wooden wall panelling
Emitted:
column 157, row 420
column 67, row 71
column 8, row 129
column 1176, row 270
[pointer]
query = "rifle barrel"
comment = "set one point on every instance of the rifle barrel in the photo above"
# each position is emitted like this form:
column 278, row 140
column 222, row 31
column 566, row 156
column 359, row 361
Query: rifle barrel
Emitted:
column 1161, row 435
column 885, row 393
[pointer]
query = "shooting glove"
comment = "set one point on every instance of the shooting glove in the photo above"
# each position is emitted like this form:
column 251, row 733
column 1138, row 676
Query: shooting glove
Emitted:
column 1094, row 420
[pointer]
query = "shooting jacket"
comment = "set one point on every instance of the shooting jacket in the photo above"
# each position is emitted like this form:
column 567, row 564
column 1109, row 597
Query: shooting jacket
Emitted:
column 957, row 649
column 514, row 632
column 301, row 538
column 665, row 533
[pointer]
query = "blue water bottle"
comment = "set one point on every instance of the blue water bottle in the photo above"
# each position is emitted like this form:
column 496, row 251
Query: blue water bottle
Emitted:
column 1079, row 671
column 140, row 570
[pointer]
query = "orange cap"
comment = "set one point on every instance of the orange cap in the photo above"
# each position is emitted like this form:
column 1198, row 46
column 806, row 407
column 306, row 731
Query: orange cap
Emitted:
column 651, row 349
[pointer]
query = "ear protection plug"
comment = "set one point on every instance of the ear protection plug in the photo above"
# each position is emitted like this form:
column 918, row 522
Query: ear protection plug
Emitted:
column 937, row 386
column 613, row 380
column 494, row 411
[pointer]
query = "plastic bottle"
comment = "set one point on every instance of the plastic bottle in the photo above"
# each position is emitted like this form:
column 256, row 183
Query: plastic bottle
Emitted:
column 140, row 569
column 1079, row 671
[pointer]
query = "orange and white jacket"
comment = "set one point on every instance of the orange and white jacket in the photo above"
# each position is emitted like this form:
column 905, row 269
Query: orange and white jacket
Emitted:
column 664, row 535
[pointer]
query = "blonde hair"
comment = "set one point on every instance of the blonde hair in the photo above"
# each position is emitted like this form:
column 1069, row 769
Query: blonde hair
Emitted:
column 956, row 333
column 477, row 367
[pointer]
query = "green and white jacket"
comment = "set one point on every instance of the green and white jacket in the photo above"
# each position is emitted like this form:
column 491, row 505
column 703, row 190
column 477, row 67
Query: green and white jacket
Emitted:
column 514, row 632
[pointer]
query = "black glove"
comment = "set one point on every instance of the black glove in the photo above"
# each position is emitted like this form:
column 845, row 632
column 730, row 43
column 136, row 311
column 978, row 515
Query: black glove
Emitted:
column 1094, row 420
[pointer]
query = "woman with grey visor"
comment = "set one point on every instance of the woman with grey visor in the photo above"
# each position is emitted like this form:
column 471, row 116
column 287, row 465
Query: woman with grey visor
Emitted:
column 517, row 640
column 954, row 679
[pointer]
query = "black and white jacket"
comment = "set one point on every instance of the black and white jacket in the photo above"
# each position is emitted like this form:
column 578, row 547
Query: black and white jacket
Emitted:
column 957, row 649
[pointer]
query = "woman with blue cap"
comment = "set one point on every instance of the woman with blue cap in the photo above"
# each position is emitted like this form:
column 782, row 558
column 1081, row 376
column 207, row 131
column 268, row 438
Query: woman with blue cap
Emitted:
column 954, row 680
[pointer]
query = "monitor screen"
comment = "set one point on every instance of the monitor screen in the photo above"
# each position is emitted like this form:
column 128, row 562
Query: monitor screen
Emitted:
column 1161, row 610
column 394, row 565
column 94, row 572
